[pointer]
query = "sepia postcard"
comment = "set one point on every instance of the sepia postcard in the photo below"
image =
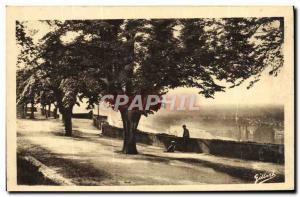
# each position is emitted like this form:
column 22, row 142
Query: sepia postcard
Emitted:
column 150, row 98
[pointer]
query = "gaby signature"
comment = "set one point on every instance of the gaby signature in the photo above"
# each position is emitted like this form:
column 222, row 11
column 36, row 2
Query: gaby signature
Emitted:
column 263, row 177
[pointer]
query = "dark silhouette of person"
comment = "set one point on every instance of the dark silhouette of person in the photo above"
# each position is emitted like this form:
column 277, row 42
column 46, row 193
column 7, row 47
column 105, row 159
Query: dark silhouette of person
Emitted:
column 186, row 136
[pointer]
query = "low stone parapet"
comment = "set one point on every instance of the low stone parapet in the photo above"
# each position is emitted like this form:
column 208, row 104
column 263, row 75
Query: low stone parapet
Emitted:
column 242, row 150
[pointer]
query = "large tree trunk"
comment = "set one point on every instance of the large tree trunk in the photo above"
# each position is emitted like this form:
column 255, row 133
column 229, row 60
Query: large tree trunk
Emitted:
column 67, row 118
column 43, row 110
column 32, row 109
column 130, row 121
column 55, row 112
column 49, row 110
column 66, row 114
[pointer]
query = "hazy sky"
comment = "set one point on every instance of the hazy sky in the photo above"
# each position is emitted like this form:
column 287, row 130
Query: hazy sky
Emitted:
column 269, row 90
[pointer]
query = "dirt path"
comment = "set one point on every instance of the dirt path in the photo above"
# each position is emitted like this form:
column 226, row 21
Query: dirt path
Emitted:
column 88, row 159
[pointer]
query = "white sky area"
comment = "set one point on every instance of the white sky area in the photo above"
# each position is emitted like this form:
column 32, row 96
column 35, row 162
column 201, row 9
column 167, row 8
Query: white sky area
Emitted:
column 269, row 90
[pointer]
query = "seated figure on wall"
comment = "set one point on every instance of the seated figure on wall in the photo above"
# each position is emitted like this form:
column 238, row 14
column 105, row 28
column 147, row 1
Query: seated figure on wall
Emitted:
column 171, row 148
